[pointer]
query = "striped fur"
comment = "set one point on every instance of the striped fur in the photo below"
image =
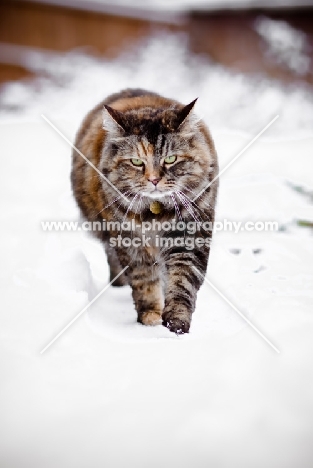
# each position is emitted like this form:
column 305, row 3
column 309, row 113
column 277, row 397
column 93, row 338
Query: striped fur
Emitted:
column 143, row 125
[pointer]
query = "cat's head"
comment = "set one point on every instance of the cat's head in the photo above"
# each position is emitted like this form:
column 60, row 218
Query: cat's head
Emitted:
column 155, row 153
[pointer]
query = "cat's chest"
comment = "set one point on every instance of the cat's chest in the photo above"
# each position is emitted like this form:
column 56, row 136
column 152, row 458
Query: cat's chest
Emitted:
column 146, row 234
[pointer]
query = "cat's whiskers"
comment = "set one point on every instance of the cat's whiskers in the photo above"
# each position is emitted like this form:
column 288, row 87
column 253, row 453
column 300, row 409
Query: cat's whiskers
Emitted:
column 141, row 206
column 184, row 187
column 195, row 205
column 136, row 211
column 130, row 205
column 115, row 200
column 194, row 193
column 177, row 211
column 210, row 219
column 187, row 205
column 138, row 203
column 200, row 211
column 115, row 208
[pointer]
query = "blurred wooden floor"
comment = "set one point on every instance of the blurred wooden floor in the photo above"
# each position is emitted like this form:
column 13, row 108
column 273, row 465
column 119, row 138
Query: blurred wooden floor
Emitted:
column 228, row 38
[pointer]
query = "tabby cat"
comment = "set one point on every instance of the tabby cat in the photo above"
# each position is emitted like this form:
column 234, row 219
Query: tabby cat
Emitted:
column 156, row 156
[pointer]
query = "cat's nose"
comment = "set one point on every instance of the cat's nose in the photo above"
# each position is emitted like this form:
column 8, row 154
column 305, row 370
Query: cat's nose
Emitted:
column 155, row 181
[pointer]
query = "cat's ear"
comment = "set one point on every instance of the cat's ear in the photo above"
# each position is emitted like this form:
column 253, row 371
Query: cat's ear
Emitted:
column 113, row 121
column 183, row 116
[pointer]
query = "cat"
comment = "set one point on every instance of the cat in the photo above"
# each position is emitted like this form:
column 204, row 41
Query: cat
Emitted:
column 156, row 156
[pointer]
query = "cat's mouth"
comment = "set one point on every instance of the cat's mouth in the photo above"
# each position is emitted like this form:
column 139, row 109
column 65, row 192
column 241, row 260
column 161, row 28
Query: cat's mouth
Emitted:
column 157, row 194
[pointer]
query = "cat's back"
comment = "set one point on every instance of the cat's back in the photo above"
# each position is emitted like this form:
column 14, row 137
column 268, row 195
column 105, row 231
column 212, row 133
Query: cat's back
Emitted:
column 128, row 99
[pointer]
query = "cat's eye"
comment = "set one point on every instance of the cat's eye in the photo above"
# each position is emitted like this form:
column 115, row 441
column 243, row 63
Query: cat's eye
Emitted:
column 170, row 159
column 137, row 162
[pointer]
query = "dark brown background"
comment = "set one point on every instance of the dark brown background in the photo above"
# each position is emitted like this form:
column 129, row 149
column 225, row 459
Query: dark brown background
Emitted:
column 226, row 37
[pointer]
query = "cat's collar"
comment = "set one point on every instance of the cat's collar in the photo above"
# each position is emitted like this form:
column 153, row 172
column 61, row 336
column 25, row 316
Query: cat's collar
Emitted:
column 156, row 207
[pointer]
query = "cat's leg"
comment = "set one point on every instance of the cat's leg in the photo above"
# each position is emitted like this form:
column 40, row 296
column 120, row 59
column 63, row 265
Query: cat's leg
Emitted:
column 115, row 267
column 143, row 276
column 147, row 293
column 182, row 285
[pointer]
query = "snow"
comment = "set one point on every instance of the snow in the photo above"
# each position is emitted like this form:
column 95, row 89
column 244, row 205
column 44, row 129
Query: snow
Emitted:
column 286, row 44
column 74, row 82
column 110, row 392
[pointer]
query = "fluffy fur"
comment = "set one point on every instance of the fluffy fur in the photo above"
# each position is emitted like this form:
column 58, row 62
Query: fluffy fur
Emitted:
column 139, row 124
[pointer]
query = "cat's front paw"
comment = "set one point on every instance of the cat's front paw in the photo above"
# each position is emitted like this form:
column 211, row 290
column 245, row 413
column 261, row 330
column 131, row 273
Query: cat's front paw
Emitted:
column 150, row 318
column 176, row 325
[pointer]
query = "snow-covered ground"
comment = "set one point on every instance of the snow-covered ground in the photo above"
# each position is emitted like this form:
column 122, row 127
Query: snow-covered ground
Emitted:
column 111, row 392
